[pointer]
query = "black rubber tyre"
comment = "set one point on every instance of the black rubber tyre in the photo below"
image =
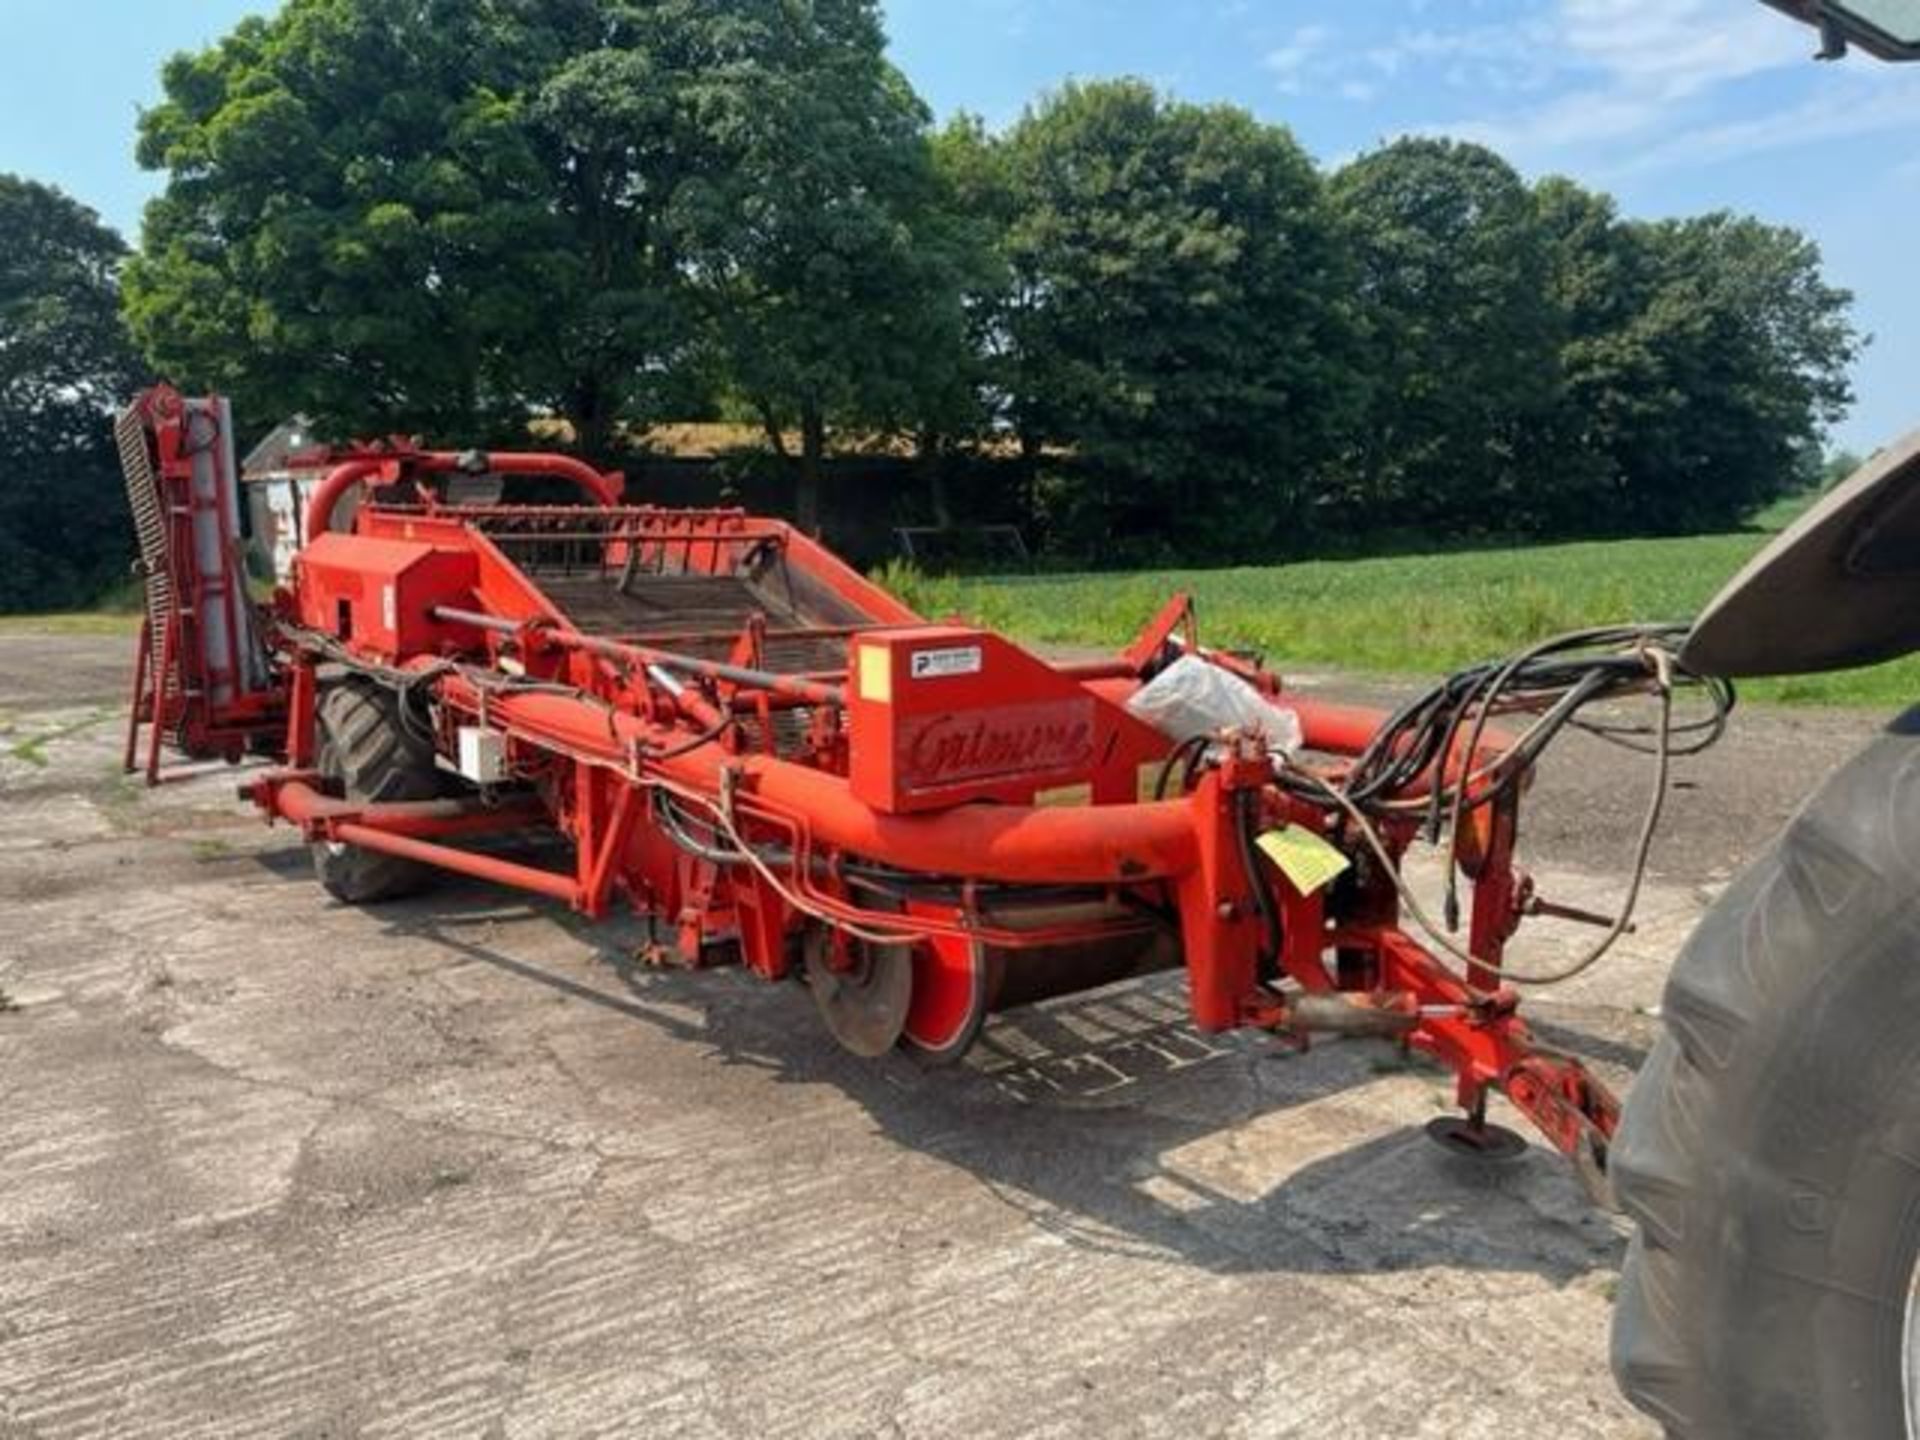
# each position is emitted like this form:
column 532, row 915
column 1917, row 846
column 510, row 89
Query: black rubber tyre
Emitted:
column 365, row 753
column 1770, row 1152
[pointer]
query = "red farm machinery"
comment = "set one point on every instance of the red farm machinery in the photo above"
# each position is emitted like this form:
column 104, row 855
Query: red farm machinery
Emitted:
column 741, row 738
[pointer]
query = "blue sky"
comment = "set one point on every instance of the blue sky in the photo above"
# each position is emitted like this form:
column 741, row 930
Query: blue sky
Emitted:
column 1675, row 106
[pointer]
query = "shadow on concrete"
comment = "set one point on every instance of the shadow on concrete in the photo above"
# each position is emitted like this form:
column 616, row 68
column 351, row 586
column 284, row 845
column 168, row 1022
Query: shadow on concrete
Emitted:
column 1108, row 1120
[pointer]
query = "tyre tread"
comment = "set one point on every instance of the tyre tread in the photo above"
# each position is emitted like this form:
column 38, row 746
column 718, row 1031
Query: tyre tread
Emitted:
column 1730, row 1004
column 377, row 761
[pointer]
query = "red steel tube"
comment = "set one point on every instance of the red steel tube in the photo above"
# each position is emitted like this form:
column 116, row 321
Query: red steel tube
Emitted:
column 604, row 489
column 793, row 687
column 339, row 481
column 466, row 862
column 1105, row 844
column 1349, row 729
column 806, row 692
column 299, row 802
column 1041, row 844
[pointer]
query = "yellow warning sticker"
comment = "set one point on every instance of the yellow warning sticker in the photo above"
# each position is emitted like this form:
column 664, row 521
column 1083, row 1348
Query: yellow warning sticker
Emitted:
column 1146, row 780
column 876, row 673
column 1306, row 858
column 1081, row 794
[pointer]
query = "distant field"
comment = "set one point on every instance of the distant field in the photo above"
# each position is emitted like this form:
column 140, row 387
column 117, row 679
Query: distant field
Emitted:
column 1398, row 615
column 1412, row 615
column 79, row 622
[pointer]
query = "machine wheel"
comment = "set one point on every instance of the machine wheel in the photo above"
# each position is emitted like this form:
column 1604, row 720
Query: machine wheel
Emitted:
column 1770, row 1151
column 865, row 1005
column 365, row 753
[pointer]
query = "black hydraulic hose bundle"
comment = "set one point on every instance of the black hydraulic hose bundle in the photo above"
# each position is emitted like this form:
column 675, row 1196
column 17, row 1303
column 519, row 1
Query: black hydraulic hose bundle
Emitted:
column 1554, row 681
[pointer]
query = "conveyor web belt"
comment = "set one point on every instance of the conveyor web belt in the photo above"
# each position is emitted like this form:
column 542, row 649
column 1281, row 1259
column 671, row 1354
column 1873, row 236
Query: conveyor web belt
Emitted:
column 150, row 531
column 714, row 606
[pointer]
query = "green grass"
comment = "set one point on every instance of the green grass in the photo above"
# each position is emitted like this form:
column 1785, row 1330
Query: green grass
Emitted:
column 33, row 749
column 30, row 752
column 1404, row 615
column 115, row 613
column 82, row 622
column 1783, row 512
column 1401, row 615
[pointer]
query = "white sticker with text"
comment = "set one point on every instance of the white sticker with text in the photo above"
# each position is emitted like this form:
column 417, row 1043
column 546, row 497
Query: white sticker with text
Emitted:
column 960, row 660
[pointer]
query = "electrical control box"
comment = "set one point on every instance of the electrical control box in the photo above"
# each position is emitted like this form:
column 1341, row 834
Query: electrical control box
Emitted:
column 482, row 755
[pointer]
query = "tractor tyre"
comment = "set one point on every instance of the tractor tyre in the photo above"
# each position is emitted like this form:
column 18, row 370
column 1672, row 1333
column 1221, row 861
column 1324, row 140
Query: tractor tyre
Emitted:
column 1770, row 1151
column 367, row 754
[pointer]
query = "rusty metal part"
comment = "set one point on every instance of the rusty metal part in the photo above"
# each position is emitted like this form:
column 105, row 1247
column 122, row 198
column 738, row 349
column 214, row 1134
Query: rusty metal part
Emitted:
column 1476, row 1139
column 862, row 992
column 1385, row 1017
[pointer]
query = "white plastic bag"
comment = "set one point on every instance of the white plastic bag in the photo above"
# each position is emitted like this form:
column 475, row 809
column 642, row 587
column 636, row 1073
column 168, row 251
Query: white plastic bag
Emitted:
column 1195, row 697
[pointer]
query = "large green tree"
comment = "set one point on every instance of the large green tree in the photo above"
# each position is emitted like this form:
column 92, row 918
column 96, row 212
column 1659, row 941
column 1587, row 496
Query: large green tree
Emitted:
column 448, row 215
column 1703, row 359
column 356, row 222
column 440, row 216
column 1463, row 337
column 1756, row 345
column 824, row 267
column 1176, row 318
column 65, row 361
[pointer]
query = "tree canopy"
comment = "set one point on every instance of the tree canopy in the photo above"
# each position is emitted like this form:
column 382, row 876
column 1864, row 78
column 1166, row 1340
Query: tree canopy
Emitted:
column 1176, row 316
column 64, row 363
column 812, row 246
column 1462, row 339
column 455, row 215
column 447, row 216
column 1704, row 357
column 380, row 215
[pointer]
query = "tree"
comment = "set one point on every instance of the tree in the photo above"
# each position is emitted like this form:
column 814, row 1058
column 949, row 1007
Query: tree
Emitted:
column 1463, row 337
column 1703, row 358
column 1175, row 318
column 825, row 269
column 65, row 362
column 975, row 171
column 418, row 217
column 1599, row 279
column 1835, row 466
column 1755, row 346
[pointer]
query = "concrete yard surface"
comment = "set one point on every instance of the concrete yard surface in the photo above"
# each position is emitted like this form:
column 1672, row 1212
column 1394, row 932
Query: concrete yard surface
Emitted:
column 462, row 1166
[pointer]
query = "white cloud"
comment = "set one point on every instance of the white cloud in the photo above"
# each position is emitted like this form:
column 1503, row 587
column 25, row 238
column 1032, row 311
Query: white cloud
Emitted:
column 1523, row 54
column 1664, row 47
column 1289, row 62
column 1675, row 48
column 1580, row 117
column 1826, row 116
column 1609, row 85
column 1629, row 72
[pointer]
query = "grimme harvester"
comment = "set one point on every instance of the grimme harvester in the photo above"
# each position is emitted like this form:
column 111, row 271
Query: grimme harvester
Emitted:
column 742, row 738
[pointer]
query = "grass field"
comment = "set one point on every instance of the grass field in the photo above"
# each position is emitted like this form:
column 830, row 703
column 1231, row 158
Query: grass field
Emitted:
column 78, row 622
column 1404, row 615
column 117, row 613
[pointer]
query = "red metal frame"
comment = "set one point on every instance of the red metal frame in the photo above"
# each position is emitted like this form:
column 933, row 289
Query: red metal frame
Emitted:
column 205, row 711
column 740, row 804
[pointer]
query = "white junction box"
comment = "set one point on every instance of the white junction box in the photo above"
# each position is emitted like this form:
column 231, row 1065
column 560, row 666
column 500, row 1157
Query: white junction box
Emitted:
column 483, row 755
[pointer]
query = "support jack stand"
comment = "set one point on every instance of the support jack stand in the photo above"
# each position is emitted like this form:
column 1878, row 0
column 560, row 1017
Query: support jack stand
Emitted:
column 1471, row 1138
